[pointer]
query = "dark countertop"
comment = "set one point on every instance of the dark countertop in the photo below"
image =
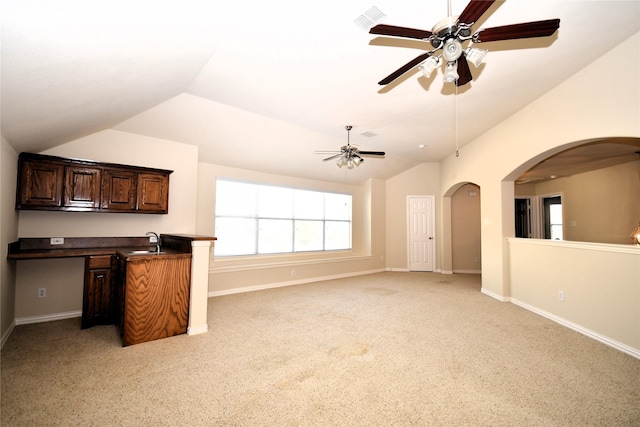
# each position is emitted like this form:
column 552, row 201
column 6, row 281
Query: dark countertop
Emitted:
column 41, row 247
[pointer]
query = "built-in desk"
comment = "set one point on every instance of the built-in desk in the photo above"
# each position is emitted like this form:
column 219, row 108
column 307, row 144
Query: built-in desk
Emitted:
column 100, row 298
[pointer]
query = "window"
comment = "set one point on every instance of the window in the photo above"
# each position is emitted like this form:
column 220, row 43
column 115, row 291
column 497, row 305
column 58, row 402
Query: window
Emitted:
column 553, row 217
column 254, row 219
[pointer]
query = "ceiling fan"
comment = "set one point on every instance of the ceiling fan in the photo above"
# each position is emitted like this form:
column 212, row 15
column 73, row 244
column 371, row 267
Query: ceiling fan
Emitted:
column 450, row 33
column 349, row 155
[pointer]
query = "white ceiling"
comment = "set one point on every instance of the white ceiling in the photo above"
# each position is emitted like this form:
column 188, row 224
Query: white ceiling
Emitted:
column 263, row 85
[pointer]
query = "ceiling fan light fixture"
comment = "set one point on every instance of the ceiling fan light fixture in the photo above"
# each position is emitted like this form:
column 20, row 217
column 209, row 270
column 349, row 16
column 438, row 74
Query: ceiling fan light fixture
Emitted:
column 475, row 55
column 452, row 49
column 451, row 73
column 429, row 66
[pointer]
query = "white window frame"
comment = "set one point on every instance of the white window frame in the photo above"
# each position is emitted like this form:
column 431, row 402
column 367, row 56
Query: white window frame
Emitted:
column 345, row 218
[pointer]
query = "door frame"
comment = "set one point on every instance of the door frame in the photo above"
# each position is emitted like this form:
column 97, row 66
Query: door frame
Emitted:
column 432, row 225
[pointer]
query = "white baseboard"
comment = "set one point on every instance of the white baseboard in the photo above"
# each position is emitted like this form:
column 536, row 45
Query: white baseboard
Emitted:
column 289, row 283
column 494, row 295
column 48, row 317
column 634, row 352
column 6, row 335
column 197, row 330
column 467, row 271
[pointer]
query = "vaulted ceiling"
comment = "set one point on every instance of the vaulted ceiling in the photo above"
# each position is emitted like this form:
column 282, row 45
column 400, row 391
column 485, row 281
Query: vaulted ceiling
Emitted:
column 263, row 85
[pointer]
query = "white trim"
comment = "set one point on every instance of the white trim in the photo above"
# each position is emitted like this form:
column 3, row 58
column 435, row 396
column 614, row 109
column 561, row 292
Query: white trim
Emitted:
column 592, row 246
column 447, row 271
column 403, row 270
column 198, row 329
column 7, row 334
column 467, row 271
column 48, row 317
column 634, row 352
column 289, row 283
column 494, row 295
column 247, row 267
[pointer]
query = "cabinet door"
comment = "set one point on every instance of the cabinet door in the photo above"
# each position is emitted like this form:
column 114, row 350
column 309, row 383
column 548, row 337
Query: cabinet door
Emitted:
column 98, row 297
column 153, row 192
column 119, row 190
column 40, row 184
column 156, row 301
column 82, row 187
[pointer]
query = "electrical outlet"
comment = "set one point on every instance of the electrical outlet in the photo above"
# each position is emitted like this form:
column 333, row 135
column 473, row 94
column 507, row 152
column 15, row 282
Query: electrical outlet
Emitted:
column 561, row 295
column 42, row 292
column 293, row 273
column 56, row 241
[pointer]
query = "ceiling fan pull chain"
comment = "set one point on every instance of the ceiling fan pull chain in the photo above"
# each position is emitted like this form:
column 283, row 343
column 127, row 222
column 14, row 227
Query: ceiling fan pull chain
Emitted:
column 455, row 107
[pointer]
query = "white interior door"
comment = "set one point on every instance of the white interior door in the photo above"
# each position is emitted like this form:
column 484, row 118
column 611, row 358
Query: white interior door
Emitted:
column 421, row 229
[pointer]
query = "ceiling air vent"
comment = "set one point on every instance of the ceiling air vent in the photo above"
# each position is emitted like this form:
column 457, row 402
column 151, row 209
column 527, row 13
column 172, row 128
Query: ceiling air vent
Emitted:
column 369, row 18
column 369, row 134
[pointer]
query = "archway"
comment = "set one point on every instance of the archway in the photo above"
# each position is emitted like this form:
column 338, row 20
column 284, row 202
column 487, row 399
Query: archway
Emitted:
column 598, row 180
column 461, row 229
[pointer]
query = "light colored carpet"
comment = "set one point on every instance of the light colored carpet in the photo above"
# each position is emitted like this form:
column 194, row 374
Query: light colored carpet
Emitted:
column 388, row 349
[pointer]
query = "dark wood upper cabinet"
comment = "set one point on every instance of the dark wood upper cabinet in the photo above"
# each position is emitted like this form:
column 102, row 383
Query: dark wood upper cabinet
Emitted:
column 152, row 189
column 40, row 184
column 82, row 187
column 57, row 183
column 119, row 190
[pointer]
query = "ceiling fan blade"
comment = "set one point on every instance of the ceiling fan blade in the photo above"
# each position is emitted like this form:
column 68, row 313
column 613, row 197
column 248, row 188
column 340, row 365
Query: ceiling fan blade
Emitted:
column 406, row 67
column 371, row 153
column 392, row 30
column 517, row 31
column 474, row 11
column 333, row 157
column 464, row 72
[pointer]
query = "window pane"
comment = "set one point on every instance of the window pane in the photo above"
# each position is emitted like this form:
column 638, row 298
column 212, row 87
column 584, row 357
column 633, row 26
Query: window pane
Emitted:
column 308, row 236
column 275, row 202
column 337, row 206
column 309, row 204
column 555, row 220
column 236, row 199
column 337, row 235
column 275, row 236
column 236, row 236
column 265, row 219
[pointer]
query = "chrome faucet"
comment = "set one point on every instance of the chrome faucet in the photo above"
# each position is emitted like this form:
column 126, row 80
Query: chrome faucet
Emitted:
column 157, row 240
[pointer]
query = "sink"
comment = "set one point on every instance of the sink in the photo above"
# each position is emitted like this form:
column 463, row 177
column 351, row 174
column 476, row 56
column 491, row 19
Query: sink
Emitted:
column 146, row 253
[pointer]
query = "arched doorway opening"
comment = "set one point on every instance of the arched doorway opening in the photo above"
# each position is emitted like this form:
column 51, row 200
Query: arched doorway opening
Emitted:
column 461, row 227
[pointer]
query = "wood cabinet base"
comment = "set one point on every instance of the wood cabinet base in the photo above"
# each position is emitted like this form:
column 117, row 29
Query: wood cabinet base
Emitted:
column 98, row 298
column 155, row 298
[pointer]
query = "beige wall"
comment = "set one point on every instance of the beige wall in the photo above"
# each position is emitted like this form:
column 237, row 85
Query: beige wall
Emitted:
column 64, row 278
column 598, row 206
column 465, row 229
column 600, row 284
column 592, row 104
column 422, row 180
column 8, row 233
column 233, row 274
